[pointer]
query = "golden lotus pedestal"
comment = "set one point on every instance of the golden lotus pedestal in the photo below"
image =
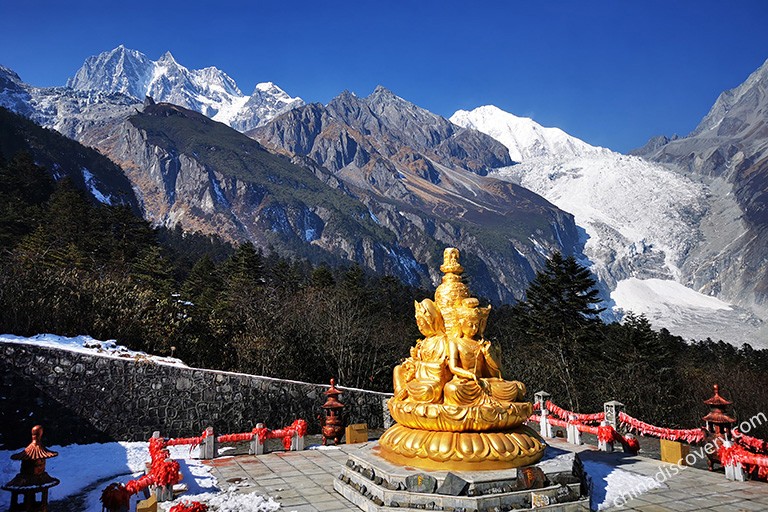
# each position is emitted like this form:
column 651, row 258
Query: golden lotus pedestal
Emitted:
column 461, row 438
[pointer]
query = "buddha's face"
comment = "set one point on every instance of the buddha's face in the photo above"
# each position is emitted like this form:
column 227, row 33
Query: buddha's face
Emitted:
column 469, row 327
column 425, row 327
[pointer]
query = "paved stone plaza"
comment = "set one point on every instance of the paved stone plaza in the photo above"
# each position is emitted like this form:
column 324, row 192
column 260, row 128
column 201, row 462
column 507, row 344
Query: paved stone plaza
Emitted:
column 303, row 481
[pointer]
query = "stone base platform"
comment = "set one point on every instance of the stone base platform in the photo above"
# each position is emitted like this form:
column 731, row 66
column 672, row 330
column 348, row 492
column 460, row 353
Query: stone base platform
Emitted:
column 374, row 484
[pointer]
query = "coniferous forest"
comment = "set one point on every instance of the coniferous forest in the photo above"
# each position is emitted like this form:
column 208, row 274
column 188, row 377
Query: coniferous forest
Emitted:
column 70, row 266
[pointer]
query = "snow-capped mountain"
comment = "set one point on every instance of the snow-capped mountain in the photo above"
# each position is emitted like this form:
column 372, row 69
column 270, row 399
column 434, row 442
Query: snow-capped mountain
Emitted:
column 524, row 137
column 641, row 221
column 267, row 102
column 209, row 91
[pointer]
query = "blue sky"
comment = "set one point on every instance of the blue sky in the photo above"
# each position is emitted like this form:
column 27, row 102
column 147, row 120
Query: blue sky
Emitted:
column 613, row 73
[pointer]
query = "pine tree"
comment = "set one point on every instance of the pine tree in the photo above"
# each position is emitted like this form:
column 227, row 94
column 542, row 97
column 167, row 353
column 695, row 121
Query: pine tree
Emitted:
column 560, row 312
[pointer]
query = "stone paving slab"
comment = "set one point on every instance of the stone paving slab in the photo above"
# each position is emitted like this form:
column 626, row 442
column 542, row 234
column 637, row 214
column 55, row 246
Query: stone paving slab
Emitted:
column 303, row 481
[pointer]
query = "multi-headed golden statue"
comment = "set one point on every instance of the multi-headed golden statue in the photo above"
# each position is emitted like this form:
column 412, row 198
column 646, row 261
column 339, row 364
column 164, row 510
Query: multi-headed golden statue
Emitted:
column 452, row 407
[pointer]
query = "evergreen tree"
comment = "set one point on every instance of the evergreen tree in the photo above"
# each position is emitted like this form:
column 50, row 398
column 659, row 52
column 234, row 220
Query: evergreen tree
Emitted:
column 560, row 312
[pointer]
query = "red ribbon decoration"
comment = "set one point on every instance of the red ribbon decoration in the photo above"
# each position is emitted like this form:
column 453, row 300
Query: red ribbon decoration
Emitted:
column 552, row 421
column 235, row 438
column 587, row 429
column 164, row 471
column 192, row 506
column 692, row 436
column 752, row 443
column 750, row 462
column 566, row 414
column 115, row 497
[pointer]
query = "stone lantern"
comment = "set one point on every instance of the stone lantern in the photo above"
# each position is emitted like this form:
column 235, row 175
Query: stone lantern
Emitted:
column 718, row 421
column 333, row 423
column 32, row 478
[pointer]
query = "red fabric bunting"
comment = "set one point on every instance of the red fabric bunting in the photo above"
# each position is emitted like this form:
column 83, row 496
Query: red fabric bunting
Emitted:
column 141, row 483
column 588, row 429
column 192, row 506
column 566, row 414
column 552, row 421
column 752, row 443
column 754, row 464
column 235, row 438
column 115, row 496
column 694, row 435
column 605, row 434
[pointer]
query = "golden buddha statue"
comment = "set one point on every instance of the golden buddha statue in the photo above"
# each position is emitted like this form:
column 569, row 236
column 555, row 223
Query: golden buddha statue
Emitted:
column 452, row 406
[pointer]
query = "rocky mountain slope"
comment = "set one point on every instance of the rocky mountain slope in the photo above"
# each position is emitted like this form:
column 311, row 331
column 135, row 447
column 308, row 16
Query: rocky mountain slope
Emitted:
column 190, row 169
column 728, row 150
column 424, row 177
column 86, row 168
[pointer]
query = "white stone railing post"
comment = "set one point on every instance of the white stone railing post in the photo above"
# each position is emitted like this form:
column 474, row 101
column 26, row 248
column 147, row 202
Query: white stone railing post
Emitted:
column 612, row 410
column 733, row 470
column 297, row 442
column 257, row 447
column 604, row 446
column 545, row 428
column 209, row 447
column 572, row 431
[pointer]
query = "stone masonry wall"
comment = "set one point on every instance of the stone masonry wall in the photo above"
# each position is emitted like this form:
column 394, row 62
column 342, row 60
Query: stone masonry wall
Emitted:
column 84, row 398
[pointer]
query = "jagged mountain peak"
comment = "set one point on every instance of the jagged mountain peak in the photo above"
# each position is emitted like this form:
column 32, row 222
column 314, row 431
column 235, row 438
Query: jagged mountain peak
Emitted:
column 742, row 101
column 524, row 137
column 381, row 91
column 119, row 70
column 167, row 57
column 9, row 74
column 208, row 90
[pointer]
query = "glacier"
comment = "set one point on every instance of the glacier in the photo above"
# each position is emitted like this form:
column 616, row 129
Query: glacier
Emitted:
column 641, row 221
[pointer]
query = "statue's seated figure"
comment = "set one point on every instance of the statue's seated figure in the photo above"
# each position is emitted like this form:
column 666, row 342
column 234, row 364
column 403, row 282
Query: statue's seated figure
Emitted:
column 475, row 363
column 422, row 376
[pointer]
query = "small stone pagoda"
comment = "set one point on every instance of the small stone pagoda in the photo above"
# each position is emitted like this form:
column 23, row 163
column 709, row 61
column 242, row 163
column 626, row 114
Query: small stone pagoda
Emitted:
column 32, row 478
column 333, row 423
column 453, row 408
column 718, row 421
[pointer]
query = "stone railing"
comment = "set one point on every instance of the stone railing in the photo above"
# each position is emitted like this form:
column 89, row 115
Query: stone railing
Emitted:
column 82, row 398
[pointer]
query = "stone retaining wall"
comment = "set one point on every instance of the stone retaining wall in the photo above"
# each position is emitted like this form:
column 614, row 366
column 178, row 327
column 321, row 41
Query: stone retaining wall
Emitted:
column 84, row 398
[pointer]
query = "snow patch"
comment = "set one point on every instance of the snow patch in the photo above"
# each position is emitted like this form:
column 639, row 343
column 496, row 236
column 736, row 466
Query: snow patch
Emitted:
column 81, row 466
column 611, row 485
column 524, row 137
column 88, row 345
column 90, row 182
column 654, row 296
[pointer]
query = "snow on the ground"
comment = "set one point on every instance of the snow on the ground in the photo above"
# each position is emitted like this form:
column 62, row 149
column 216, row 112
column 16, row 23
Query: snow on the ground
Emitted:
column 652, row 296
column 88, row 345
column 87, row 469
column 615, row 487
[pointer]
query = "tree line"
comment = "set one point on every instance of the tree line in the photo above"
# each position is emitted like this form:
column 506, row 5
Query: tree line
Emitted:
column 71, row 266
